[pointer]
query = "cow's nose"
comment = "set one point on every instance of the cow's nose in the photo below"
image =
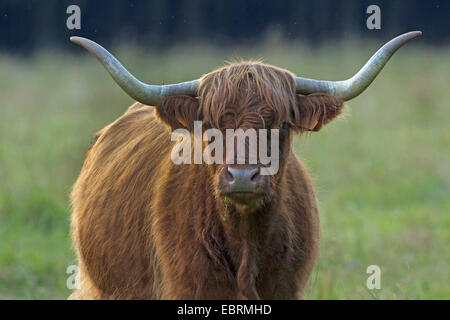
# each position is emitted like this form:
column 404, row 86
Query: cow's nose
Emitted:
column 242, row 179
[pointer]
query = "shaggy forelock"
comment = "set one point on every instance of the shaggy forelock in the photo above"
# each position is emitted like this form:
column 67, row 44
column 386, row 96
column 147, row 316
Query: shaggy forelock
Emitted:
column 247, row 94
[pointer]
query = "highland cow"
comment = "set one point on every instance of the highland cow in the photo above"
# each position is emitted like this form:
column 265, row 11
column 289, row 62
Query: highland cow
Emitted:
column 147, row 228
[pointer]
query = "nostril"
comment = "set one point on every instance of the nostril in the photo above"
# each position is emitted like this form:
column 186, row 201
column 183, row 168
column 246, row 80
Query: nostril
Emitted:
column 255, row 175
column 228, row 175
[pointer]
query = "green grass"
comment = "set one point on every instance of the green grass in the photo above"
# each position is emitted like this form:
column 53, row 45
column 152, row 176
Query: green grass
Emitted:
column 382, row 172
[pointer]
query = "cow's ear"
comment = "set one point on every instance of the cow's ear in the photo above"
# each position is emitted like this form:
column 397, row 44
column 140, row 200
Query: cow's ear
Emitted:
column 315, row 110
column 179, row 111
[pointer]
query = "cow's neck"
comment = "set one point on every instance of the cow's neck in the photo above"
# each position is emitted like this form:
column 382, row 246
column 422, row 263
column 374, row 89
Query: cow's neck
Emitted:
column 246, row 235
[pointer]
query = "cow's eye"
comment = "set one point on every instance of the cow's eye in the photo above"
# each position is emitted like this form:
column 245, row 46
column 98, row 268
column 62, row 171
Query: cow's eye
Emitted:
column 207, row 126
column 285, row 125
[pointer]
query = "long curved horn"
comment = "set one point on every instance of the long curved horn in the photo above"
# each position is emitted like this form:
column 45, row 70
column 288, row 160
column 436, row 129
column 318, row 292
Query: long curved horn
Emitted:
column 349, row 89
column 139, row 91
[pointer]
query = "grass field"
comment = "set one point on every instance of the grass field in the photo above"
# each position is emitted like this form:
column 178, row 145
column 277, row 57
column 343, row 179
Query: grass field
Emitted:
column 382, row 172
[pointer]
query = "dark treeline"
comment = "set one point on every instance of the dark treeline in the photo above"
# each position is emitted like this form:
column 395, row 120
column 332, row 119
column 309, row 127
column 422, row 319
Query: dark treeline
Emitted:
column 30, row 24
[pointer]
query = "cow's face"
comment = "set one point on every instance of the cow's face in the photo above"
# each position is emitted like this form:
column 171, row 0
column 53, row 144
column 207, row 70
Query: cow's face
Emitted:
column 254, row 106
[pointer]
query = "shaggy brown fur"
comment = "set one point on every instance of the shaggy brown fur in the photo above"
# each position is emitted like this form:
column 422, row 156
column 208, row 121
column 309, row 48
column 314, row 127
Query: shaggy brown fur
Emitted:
column 144, row 227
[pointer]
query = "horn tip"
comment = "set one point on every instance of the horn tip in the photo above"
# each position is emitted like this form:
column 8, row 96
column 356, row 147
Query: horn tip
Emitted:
column 76, row 40
column 415, row 34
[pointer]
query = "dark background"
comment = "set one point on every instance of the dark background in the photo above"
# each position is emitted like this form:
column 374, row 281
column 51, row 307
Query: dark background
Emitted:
column 28, row 25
